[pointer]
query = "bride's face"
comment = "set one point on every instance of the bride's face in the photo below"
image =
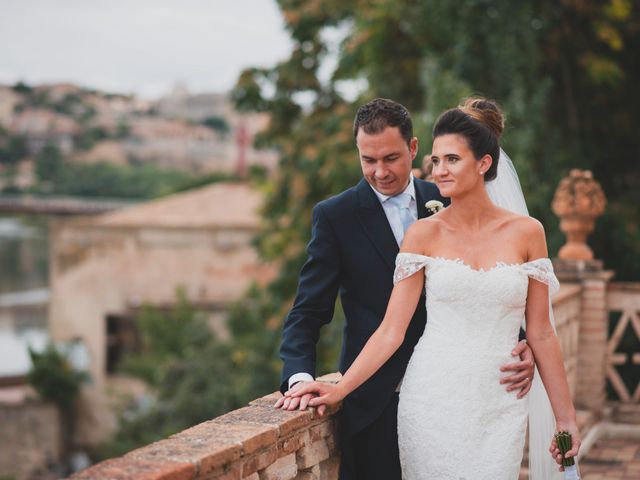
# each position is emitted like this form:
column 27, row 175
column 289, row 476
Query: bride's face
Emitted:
column 456, row 170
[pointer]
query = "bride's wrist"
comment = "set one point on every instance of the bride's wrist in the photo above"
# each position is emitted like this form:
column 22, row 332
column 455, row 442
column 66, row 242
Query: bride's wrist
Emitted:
column 566, row 423
column 567, row 415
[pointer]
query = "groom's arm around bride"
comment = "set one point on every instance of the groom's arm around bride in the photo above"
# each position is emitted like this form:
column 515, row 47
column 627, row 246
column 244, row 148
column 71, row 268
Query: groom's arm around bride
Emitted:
column 354, row 242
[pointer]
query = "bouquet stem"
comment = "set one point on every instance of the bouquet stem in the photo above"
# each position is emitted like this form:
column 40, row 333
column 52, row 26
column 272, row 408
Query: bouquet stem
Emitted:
column 563, row 440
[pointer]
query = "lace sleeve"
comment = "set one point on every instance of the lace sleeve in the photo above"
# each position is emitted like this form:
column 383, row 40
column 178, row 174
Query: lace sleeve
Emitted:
column 542, row 270
column 407, row 264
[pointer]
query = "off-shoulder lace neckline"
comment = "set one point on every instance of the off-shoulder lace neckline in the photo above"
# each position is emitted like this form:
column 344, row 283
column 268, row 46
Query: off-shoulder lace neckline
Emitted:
column 459, row 261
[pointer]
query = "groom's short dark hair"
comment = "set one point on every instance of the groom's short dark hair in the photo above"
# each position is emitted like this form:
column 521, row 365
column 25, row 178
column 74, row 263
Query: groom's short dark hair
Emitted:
column 373, row 117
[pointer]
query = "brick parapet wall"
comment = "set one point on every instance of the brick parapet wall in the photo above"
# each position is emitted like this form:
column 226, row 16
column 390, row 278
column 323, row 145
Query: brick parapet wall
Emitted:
column 30, row 439
column 593, row 335
column 256, row 442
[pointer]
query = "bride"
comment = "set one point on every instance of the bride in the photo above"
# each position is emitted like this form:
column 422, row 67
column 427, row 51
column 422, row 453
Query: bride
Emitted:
column 485, row 270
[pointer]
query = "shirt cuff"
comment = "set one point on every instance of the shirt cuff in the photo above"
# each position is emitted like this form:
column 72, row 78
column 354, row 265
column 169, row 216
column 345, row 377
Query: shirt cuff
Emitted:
column 300, row 377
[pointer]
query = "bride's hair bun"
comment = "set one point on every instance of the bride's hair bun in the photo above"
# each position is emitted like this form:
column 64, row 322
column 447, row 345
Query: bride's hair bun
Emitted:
column 480, row 122
column 486, row 111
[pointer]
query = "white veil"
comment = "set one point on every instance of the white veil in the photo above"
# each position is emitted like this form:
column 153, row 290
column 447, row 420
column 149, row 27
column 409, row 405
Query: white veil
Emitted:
column 505, row 191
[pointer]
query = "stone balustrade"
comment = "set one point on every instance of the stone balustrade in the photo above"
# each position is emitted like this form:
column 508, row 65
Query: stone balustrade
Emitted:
column 623, row 303
column 256, row 442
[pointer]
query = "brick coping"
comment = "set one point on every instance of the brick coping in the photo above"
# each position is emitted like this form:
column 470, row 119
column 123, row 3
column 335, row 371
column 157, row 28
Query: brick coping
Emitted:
column 256, row 442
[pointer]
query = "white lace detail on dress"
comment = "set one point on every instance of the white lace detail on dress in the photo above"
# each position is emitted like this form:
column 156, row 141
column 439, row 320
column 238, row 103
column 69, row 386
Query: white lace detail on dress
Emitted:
column 542, row 271
column 407, row 264
column 455, row 420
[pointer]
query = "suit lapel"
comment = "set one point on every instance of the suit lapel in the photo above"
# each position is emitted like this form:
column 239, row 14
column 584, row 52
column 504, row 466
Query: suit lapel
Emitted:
column 375, row 223
column 421, row 199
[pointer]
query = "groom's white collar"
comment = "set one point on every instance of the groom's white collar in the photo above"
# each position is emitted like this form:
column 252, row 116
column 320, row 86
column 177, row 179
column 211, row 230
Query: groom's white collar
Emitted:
column 410, row 189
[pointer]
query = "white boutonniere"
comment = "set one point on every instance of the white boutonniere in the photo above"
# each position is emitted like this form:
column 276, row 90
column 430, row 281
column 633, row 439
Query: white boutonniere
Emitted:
column 433, row 207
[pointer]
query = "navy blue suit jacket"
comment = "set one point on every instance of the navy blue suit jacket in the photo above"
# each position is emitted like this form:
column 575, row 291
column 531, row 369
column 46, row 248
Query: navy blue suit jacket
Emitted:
column 352, row 251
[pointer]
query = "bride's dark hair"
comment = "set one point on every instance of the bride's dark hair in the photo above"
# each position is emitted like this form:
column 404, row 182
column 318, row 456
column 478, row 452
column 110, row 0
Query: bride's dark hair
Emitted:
column 480, row 122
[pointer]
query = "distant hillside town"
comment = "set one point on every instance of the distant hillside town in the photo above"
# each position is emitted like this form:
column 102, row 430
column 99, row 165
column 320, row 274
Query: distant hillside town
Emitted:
column 78, row 276
column 192, row 133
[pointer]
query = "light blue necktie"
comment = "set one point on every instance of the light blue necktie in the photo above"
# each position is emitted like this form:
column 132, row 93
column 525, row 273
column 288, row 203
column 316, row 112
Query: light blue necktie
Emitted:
column 402, row 204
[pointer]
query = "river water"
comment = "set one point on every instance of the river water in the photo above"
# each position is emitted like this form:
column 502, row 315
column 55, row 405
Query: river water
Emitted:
column 24, row 253
column 24, row 265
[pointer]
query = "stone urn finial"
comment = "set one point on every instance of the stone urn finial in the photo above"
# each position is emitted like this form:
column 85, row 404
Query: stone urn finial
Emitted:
column 578, row 201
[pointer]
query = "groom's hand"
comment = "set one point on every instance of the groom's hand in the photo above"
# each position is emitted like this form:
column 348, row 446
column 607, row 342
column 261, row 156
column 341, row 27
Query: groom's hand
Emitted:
column 523, row 370
column 298, row 403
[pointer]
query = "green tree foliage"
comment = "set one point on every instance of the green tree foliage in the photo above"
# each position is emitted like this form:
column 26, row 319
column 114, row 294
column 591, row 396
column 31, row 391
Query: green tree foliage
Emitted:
column 12, row 148
column 53, row 377
column 90, row 136
column 564, row 73
column 216, row 123
column 194, row 375
column 190, row 372
column 204, row 179
column 23, row 88
column 72, row 104
column 49, row 165
column 58, row 382
column 58, row 176
column 166, row 337
column 123, row 130
column 117, row 181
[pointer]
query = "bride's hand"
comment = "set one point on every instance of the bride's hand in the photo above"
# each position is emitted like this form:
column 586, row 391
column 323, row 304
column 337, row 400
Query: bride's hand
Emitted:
column 327, row 393
column 576, row 441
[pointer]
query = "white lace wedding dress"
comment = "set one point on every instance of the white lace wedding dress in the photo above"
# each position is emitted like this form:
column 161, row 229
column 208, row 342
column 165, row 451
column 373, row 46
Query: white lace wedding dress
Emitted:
column 455, row 420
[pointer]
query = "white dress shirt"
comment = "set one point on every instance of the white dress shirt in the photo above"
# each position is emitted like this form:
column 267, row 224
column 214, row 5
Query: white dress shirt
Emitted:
column 391, row 211
column 395, row 223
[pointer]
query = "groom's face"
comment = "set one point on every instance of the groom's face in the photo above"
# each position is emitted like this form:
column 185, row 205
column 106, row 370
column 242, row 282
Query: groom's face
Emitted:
column 386, row 159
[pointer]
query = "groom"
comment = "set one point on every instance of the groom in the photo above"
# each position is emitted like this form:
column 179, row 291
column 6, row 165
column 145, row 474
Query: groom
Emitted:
column 355, row 238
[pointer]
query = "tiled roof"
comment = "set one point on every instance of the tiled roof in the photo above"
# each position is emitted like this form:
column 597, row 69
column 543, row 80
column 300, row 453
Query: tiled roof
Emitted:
column 217, row 205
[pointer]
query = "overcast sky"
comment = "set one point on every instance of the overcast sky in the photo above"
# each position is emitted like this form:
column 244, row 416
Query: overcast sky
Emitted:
column 138, row 46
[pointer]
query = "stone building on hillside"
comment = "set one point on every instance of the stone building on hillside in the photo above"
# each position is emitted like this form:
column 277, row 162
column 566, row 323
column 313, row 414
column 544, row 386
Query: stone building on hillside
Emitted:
column 178, row 144
column 104, row 268
column 56, row 92
column 42, row 127
column 113, row 110
column 180, row 103
column 172, row 133
column 235, row 152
